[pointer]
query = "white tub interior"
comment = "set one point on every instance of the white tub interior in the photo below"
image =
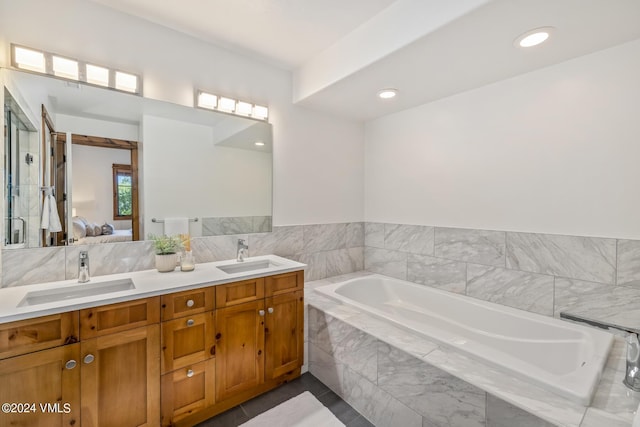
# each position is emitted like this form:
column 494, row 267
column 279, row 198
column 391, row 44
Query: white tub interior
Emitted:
column 563, row 357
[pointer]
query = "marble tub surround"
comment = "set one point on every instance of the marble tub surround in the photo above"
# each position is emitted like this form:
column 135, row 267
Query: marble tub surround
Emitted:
column 475, row 393
column 584, row 258
column 541, row 273
column 328, row 249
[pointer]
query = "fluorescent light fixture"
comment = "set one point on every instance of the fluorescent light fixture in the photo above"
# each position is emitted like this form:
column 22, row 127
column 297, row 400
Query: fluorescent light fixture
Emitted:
column 126, row 82
column 207, row 100
column 63, row 67
column 259, row 143
column 533, row 37
column 244, row 108
column 29, row 59
column 260, row 112
column 387, row 93
column 97, row 75
column 227, row 104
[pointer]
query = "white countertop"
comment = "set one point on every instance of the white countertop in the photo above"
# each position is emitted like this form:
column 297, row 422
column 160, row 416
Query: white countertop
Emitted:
column 147, row 283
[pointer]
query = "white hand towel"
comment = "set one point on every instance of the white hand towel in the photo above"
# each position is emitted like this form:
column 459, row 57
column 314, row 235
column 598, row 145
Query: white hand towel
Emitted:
column 54, row 218
column 44, row 224
column 176, row 226
column 50, row 218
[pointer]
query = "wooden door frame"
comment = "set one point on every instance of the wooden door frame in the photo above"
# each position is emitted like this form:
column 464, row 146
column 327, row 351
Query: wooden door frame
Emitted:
column 122, row 144
column 47, row 128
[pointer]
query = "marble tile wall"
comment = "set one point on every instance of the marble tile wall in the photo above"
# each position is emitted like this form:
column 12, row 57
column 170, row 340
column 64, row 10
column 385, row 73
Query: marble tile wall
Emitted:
column 391, row 387
column 222, row 226
column 595, row 277
column 328, row 249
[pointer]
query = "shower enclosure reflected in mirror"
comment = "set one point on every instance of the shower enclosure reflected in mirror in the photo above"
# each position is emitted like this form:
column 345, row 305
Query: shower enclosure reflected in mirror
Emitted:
column 193, row 163
column 21, row 160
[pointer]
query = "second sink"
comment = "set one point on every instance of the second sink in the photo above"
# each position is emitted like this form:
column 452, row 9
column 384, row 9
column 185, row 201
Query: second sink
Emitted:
column 243, row 267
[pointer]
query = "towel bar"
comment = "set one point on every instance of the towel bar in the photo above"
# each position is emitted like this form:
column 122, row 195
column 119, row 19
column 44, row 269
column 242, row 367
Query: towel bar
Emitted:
column 162, row 220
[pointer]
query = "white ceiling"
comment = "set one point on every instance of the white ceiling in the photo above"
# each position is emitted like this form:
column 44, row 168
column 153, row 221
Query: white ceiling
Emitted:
column 342, row 52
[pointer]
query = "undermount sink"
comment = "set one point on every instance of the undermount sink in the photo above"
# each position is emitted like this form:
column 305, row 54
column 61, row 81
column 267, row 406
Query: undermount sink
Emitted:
column 77, row 291
column 243, row 267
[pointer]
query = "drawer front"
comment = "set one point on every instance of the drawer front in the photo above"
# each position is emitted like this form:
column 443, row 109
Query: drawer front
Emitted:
column 187, row 390
column 239, row 292
column 187, row 303
column 108, row 319
column 187, row 340
column 26, row 336
column 284, row 283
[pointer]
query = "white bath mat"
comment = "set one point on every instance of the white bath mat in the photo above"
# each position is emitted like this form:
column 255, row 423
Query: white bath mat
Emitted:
column 304, row 410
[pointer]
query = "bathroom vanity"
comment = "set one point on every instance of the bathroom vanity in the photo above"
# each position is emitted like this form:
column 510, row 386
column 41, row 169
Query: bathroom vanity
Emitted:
column 171, row 355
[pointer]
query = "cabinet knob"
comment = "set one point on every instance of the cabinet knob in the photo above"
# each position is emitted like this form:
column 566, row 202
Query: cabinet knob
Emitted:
column 89, row 358
column 270, row 310
column 190, row 303
column 189, row 373
column 261, row 312
column 191, row 322
column 70, row 364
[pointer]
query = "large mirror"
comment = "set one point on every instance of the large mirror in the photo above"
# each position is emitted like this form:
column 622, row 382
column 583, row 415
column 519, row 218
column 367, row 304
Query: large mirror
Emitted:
column 117, row 167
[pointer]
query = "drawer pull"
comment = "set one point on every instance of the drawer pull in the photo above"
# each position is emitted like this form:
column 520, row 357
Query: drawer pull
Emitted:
column 261, row 312
column 189, row 373
column 270, row 310
column 191, row 322
column 190, row 303
column 89, row 358
column 70, row 364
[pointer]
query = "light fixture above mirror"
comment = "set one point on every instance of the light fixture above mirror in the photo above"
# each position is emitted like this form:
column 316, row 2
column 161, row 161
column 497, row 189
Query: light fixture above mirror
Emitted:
column 38, row 61
column 225, row 104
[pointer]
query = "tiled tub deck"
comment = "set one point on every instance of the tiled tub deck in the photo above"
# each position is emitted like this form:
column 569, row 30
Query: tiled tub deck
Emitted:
column 395, row 378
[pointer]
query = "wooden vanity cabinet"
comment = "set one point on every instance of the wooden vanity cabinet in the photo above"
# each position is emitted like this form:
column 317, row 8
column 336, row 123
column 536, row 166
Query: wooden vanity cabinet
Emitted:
column 239, row 348
column 188, row 354
column 120, row 364
column 48, row 377
column 262, row 340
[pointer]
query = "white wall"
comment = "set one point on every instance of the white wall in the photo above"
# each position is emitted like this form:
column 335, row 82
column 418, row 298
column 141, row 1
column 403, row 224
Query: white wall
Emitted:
column 553, row 151
column 186, row 174
column 92, row 182
column 318, row 159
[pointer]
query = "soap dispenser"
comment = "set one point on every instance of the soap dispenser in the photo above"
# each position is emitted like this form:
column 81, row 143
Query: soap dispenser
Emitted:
column 83, row 267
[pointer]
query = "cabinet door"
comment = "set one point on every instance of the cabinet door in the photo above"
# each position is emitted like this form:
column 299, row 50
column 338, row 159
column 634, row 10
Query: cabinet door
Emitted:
column 119, row 379
column 50, row 378
column 239, row 348
column 283, row 283
column 25, row 336
column 186, row 341
column 188, row 390
column 284, row 334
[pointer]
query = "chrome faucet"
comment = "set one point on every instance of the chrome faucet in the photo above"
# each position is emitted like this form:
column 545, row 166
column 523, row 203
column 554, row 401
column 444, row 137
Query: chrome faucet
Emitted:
column 242, row 250
column 83, row 267
column 632, row 376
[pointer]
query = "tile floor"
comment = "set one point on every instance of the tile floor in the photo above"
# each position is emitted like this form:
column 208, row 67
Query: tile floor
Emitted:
column 306, row 382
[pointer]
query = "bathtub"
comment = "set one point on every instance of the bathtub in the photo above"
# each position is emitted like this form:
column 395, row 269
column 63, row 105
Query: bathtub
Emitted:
column 564, row 358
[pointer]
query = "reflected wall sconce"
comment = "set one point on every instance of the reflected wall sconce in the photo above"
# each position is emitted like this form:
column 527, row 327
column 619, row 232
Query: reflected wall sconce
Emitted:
column 225, row 104
column 41, row 62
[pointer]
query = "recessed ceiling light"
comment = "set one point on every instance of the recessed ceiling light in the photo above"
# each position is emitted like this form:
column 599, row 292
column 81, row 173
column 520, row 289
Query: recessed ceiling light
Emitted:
column 533, row 37
column 259, row 143
column 387, row 93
